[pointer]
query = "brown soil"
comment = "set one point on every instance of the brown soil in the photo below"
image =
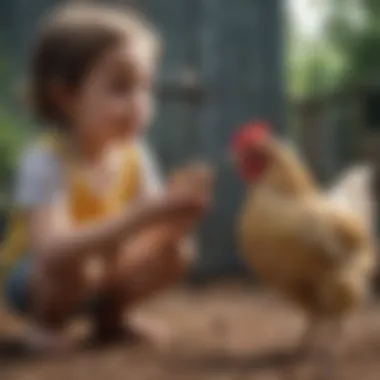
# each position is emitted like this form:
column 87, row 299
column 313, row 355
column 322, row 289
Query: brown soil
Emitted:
column 220, row 332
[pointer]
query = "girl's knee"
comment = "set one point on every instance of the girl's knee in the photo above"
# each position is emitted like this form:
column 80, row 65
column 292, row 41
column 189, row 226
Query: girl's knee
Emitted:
column 52, row 290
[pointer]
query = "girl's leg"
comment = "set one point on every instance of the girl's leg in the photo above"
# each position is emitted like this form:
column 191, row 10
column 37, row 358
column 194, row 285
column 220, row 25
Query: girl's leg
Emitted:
column 145, row 267
column 56, row 293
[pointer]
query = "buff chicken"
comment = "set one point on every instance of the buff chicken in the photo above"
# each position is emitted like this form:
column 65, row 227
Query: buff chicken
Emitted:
column 315, row 247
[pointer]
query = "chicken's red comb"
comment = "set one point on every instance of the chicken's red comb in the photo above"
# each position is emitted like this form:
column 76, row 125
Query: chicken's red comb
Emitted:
column 251, row 132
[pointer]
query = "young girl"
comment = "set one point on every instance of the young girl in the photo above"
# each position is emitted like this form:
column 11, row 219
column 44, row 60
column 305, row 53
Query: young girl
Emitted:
column 88, row 192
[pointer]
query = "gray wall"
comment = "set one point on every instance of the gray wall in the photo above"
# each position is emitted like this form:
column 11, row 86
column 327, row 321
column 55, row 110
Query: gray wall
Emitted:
column 223, row 65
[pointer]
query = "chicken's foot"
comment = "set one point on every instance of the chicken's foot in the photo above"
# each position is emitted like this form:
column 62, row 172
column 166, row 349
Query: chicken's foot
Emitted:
column 304, row 347
column 327, row 362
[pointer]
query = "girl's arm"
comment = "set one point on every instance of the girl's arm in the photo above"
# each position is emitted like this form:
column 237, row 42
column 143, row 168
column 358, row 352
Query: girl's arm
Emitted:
column 39, row 184
column 53, row 240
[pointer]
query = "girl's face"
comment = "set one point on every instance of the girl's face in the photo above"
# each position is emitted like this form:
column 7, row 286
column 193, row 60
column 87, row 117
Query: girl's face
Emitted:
column 115, row 99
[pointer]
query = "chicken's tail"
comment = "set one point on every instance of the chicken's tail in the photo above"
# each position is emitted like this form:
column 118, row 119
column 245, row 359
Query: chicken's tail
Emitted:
column 353, row 192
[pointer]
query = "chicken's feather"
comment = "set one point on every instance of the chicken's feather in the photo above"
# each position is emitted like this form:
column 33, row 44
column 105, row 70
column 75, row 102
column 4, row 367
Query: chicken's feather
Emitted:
column 352, row 192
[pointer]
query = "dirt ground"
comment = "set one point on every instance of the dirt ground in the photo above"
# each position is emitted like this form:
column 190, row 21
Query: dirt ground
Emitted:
column 220, row 332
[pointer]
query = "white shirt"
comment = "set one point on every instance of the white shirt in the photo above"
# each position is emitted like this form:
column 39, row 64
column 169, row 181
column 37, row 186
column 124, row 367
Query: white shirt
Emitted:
column 41, row 176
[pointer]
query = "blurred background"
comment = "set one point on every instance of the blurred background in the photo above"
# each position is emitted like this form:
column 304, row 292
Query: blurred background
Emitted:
column 310, row 67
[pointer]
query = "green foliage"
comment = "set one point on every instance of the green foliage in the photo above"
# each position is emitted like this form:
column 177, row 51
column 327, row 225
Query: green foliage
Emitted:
column 12, row 140
column 13, row 131
column 318, row 71
column 346, row 52
column 364, row 56
column 354, row 29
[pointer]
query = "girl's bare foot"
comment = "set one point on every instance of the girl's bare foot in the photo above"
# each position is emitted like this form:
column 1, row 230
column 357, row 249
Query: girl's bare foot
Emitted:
column 115, row 334
column 153, row 330
column 135, row 331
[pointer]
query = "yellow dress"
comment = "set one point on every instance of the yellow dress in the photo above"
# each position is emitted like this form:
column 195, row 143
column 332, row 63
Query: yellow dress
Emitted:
column 83, row 204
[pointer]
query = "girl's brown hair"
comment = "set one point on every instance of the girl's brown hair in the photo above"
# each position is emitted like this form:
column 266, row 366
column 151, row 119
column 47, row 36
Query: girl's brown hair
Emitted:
column 70, row 42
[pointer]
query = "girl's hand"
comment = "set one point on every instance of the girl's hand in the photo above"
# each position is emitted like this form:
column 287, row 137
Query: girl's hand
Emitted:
column 188, row 197
column 195, row 179
column 173, row 206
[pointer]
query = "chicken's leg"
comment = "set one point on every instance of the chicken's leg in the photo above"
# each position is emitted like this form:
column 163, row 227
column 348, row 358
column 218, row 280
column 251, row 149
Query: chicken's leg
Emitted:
column 305, row 346
column 308, row 337
column 326, row 363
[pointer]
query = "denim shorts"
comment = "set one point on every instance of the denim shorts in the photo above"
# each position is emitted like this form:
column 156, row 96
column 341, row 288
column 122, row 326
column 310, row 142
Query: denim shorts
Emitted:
column 17, row 285
column 17, row 290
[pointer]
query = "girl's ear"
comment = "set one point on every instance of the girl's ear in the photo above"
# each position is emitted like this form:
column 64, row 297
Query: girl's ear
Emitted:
column 62, row 97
